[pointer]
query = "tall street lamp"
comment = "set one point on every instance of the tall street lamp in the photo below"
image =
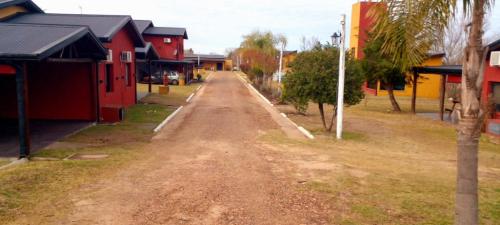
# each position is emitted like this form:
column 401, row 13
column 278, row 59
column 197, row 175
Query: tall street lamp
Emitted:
column 335, row 39
column 340, row 91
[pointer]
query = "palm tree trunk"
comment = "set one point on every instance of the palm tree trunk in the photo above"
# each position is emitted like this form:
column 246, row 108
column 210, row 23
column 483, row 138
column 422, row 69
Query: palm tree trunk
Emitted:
column 390, row 90
column 469, row 129
column 322, row 113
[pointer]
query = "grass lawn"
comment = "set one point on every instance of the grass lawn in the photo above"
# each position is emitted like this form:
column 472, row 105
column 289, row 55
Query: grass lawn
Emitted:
column 177, row 95
column 391, row 168
column 4, row 162
column 32, row 191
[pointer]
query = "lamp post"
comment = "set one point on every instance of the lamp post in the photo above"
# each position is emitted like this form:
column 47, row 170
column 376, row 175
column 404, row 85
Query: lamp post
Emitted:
column 340, row 91
column 335, row 39
column 281, row 63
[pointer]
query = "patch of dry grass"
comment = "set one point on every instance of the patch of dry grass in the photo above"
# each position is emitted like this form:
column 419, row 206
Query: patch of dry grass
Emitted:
column 176, row 97
column 38, row 191
column 391, row 168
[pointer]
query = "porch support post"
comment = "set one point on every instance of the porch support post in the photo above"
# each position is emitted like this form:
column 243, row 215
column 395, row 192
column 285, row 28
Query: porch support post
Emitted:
column 150, row 76
column 97, row 92
column 442, row 96
column 414, row 92
column 22, row 111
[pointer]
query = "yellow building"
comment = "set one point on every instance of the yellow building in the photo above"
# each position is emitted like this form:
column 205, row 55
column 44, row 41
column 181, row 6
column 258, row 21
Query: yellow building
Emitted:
column 288, row 57
column 428, row 84
column 228, row 65
column 205, row 63
column 362, row 21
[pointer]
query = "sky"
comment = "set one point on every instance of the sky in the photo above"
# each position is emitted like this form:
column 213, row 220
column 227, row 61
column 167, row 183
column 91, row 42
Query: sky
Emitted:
column 216, row 25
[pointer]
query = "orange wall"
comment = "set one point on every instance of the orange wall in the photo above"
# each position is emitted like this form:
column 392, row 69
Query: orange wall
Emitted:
column 10, row 11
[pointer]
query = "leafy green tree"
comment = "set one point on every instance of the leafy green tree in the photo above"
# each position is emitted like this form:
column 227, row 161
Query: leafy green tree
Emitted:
column 314, row 77
column 378, row 67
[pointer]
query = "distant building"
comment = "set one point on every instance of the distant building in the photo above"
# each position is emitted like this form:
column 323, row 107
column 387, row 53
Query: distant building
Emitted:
column 209, row 62
column 168, row 42
column 361, row 23
column 288, row 58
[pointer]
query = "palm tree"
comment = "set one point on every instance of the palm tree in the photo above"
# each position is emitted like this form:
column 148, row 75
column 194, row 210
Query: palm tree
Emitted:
column 408, row 28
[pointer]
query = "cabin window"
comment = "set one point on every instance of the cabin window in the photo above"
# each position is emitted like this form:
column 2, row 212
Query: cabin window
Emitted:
column 496, row 96
column 108, row 79
column 128, row 79
column 372, row 84
column 399, row 84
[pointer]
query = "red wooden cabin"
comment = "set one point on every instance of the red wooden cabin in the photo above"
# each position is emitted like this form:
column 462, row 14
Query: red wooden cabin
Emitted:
column 117, row 89
column 169, row 43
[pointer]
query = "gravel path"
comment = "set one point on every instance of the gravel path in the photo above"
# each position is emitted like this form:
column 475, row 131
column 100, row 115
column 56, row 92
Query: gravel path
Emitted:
column 207, row 167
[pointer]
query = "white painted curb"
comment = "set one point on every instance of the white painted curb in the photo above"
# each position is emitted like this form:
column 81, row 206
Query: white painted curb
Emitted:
column 306, row 133
column 255, row 90
column 162, row 124
column 301, row 129
column 14, row 163
column 190, row 97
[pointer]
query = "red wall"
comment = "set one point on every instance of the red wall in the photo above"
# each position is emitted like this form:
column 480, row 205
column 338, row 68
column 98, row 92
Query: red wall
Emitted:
column 122, row 94
column 166, row 51
column 56, row 91
column 8, row 96
column 365, row 24
column 66, row 91
column 491, row 75
column 6, row 69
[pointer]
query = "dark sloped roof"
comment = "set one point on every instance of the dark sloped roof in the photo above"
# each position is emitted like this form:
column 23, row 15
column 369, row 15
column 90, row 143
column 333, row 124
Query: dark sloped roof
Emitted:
column 203, row 57
column 104, row 26
column 37, row 42
column 442, row 70
column 289, row 52
column 436, row 54
column 148, row 52
column 29, row 5
column 167, row 31
column 174, row 62
column 494, row 45
column 142, row 25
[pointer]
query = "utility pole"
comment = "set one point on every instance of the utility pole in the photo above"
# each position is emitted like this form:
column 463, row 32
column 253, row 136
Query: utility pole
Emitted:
column 340, row 91
column 198, row 67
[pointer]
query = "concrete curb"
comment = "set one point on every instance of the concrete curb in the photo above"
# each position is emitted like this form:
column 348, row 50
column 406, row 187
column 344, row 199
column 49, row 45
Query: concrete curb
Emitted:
column 190, row 97
column 304, row 131
column 301, row 129
column 14, row 163
column 250, row 86
column 188, row 100
column 170, row 117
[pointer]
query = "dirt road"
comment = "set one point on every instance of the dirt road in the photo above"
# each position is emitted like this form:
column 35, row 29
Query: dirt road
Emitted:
column 207, row 167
